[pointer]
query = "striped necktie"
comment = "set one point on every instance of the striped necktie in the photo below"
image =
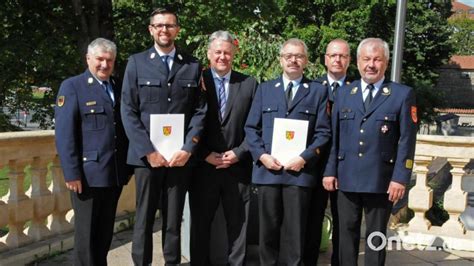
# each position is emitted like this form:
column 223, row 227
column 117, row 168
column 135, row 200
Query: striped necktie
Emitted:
column 222, row 98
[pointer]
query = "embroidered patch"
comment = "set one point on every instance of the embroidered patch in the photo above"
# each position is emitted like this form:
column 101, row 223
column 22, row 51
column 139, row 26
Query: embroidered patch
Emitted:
column 409, row 164
column 414, row 115
column 61, row 100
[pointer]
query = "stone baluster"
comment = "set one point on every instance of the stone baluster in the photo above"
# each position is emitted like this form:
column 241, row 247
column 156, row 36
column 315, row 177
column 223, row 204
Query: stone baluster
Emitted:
column 455, row 199
column 20, row 207
column 43, row 200
column 62, row 203
column 420, row 197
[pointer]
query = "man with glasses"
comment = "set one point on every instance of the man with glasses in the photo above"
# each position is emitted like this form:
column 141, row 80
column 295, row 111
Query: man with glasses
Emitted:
column 284, row 191
column 374, row 125
column 336, row 59
column 161, row 80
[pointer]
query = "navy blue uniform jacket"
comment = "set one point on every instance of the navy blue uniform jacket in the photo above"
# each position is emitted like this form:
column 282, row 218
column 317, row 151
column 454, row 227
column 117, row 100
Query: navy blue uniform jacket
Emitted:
column 147, row 91
column 372, row 148
column 90, row 138
column 309, row 103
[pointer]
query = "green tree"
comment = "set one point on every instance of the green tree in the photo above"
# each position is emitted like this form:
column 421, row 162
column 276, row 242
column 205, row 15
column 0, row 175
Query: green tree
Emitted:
column 463, row 34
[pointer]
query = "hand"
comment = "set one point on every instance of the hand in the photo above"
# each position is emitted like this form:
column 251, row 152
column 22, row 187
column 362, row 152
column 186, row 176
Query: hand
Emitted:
column 75, row 186
column 330, row 183
column 180, row 158
column 270, row 162
column 295, row 164
column 155, row 159
column 214, row 158
column 395, row 191
column 228, row 158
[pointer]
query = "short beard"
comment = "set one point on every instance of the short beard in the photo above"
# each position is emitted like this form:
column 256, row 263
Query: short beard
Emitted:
column 164, row 45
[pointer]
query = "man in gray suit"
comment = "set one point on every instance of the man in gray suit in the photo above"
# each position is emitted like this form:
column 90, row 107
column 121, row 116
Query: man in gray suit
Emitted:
column 225, row 167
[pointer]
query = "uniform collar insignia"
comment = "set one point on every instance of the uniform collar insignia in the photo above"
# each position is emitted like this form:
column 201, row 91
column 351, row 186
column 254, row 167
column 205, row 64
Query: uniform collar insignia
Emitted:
column 90, row 80
column 347, row 83
column 277, row 85
column 325, row 83
column 386, row 91
column 180, row 57
column 152, row 55
column 354, row 90
column 305, row 85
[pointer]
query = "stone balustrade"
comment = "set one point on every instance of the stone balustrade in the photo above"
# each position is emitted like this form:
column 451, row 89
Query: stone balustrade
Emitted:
column 458, row 151
column 39, row 211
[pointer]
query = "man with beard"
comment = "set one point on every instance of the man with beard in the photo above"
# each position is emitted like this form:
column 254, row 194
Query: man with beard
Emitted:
column 92, row 147
column 225, row 168
column 284, row 191
column 336, row 59
column 371, row 159
column 161, row 80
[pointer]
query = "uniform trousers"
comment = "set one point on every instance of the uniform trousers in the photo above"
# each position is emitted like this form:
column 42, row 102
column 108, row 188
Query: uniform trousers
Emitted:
column 94, row 217
column 319, row 200
column 376, row 208
column 209, row 187
column 155, row 188
column 283, row 211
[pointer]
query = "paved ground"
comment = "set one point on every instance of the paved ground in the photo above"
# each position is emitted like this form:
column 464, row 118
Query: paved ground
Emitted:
column 120, row 255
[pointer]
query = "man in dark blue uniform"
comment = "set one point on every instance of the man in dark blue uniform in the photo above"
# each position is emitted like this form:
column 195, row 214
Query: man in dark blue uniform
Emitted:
column 92, row 147
column 284, row 191
column 161, row 80
column 336, row 59
column 371, row 159
column 225, row 167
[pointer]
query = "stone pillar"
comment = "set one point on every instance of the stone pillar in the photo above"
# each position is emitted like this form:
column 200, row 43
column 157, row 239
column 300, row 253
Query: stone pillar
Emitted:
column 20, row 207
column 3, row 221
column 420, row 197
column 57, row 222
column 43, row 200
column 455, row 199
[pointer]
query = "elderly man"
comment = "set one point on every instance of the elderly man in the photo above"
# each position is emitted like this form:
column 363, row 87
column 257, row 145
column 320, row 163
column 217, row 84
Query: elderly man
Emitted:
column 336, row 60
column 225, row 170
column 371, row 159
column 92, row 147
column 161, row 80
column 284, row 190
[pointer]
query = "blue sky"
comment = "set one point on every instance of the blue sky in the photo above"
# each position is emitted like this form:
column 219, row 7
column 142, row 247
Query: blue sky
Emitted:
column 467, row 2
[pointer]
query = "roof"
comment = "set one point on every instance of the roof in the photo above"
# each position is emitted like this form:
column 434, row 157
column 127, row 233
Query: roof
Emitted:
column 460, row 8
column 456, row 111
column 462, row 61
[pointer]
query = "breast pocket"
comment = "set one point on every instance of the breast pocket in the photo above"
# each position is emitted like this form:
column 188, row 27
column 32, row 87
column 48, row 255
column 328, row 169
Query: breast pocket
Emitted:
column 387, row 124
column 149, row 89
column 346, row 121
column 307, row 112
column 269, row 113
column 94, row 118
column 188, row 87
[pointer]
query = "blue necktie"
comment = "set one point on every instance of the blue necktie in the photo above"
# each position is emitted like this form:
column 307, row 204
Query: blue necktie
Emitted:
column 222, row 98
column 164, row 58
column 369, row 97
column 109, row 91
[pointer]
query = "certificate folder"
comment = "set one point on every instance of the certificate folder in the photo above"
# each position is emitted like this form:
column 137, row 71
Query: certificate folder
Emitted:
column 289, row 139
column 167, row 133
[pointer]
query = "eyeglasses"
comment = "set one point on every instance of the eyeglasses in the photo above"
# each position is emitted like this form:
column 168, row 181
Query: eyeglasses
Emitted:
column 162, row 26
column 334, row 56
column 298, row 57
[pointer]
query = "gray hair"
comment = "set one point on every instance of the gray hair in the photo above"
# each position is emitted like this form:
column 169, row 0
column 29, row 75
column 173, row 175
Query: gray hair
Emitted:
column 338, row 40
column 221, row 35
column 296, row 42
column 376, row 42
column 103, row 45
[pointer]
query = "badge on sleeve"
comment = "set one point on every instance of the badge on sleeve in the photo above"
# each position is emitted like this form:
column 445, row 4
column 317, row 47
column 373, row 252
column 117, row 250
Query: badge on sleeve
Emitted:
column 414, row 115
column 61, row 100
column 409, row 164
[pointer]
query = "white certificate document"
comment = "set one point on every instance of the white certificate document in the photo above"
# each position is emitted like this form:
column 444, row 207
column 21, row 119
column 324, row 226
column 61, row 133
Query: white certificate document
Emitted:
column 289, row 138
column 167, row 133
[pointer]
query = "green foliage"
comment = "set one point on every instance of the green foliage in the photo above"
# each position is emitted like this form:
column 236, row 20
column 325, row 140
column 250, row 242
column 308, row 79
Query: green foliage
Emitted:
column 43, row 39
column 463, row 34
